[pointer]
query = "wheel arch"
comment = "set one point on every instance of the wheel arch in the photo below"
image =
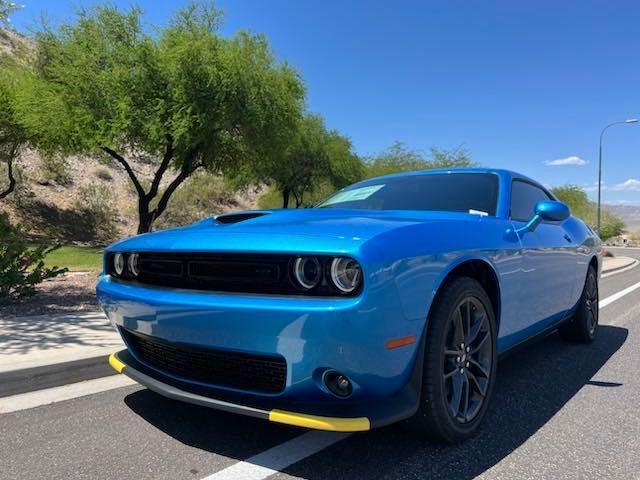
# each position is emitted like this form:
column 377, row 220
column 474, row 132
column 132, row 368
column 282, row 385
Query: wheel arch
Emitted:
column 481, row 271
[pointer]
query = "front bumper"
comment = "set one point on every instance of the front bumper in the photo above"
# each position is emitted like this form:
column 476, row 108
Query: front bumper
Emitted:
column 312, row 335
column 335, row 424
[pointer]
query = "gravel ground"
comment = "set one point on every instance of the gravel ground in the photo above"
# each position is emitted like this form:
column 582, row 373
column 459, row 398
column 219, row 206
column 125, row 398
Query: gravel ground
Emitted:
column 72, row 292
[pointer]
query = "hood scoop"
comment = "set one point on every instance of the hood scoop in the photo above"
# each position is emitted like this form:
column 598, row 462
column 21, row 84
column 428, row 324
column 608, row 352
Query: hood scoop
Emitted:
column 239, row 217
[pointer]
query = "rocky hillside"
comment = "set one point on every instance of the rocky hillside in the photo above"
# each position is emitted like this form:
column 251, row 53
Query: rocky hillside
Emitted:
column 88, row 200
column 630, row 214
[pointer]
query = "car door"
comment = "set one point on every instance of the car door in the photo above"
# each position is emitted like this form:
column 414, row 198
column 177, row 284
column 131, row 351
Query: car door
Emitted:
column 547, row 274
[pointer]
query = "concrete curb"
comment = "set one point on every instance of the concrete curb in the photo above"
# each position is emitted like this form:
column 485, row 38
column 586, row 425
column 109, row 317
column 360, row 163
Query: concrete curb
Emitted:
column 621, row 264
column 54, row 375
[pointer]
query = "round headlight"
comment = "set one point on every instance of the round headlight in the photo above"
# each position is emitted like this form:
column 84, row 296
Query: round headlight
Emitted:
column 346, row 274
column 307, row 271
column 118, row 264
column 134, row 264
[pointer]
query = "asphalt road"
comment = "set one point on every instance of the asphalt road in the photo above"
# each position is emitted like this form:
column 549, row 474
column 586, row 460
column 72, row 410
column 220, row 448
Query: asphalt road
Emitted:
column 559, row 411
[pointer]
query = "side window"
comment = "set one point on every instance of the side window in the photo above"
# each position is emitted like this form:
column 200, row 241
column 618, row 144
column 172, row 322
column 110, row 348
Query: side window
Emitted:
column 524, row 197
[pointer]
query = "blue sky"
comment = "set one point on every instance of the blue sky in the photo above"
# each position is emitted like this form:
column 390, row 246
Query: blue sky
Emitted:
column 520, row 84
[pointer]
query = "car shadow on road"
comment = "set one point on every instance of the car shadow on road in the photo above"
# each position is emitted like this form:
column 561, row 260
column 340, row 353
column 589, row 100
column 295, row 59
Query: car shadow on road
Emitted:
column 533, row 385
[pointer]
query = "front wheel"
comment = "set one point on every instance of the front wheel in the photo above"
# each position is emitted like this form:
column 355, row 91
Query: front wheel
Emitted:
column 583, row 325
column 460, row 363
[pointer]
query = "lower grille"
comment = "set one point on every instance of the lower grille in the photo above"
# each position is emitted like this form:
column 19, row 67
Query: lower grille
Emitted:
column 258, row 373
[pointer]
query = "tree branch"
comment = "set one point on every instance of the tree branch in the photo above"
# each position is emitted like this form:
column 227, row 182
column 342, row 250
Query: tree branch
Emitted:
column 128, row 169
column 187, row 169
column 157, row 178
column 12, row 179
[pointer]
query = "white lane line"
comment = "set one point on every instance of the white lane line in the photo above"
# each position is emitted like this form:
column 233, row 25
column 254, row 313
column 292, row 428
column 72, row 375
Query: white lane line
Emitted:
column 619, row 295
column 279, row 457
column 24, row 401
column 622, row 270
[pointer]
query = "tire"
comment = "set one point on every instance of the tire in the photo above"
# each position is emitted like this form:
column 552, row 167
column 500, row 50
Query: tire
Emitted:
column 470, row 386
column 583, row 326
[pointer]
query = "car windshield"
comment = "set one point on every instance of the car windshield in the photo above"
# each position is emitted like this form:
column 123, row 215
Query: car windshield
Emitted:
column 453, row 192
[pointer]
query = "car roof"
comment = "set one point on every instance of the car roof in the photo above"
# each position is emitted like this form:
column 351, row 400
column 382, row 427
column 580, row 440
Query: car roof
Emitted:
column 508, row 174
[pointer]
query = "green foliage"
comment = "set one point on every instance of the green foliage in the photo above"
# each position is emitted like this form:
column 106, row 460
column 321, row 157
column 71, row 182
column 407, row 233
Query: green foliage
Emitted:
column 21, row 267
column 13, row 135
column 96, row 204
column 399, row 158
column 313, row 158
column 183, row 97
column 198, row 198
column 578, row 201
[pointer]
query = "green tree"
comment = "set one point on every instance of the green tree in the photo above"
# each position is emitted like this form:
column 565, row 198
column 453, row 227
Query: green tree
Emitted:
column 313, row 158
column 399, row 158
column 578, row 201
column 182, row 99
column 13, row 136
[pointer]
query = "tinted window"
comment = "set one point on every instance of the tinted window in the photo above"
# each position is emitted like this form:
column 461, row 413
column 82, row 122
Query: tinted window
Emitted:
column 453, row 192
column 524, row 197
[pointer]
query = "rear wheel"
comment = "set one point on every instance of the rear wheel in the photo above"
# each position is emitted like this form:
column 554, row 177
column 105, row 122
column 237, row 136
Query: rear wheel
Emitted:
column 460, row 363
column 583, row 325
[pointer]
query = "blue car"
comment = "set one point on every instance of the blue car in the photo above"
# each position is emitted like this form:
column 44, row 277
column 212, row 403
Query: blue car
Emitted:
column 391, row 300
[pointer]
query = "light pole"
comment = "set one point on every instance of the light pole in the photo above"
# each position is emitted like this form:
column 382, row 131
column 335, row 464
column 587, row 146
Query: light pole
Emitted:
column 630, row 120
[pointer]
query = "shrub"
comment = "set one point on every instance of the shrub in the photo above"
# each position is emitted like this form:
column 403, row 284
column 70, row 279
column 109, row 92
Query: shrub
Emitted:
column 96, row 203
column 104, row 174
column 55, row 169
column 21, row 267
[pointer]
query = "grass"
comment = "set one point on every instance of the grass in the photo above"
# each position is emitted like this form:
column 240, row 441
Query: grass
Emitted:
column 75, row 258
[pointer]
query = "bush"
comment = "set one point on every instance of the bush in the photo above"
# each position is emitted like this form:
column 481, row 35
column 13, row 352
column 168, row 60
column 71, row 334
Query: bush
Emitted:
column 104, row 174
column 55, row 169
column 96, row 203
column 21, row 267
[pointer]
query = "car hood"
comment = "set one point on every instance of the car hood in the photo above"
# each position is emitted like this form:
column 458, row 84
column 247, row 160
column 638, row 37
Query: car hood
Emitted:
column 313, row 230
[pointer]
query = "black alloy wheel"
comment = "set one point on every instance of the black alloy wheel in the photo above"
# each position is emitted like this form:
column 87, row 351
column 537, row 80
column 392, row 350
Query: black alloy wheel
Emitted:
column 583, row 326
column 460, row 359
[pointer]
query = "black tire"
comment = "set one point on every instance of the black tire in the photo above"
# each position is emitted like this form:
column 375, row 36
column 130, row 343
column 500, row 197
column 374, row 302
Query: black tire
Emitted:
column 473, row 374
column 583, row 325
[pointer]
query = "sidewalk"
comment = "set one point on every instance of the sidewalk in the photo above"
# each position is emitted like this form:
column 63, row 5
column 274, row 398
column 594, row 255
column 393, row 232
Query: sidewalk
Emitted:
column 612, row 264
column 45, row 351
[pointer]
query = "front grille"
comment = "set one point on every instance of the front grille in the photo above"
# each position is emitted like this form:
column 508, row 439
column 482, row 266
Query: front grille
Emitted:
column 258, row 373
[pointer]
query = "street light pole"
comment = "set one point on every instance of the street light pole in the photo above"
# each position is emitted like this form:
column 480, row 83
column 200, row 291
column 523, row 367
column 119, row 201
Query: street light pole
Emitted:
column 630, row 120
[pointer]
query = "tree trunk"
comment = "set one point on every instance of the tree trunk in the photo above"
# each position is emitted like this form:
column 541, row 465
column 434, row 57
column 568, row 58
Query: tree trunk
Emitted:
column 12, row 180
column 146, row 217
column 285, row 197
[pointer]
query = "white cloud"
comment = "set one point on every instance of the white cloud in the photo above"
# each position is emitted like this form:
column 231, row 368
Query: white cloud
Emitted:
column 573, row 160
column 593, row 187
column 630, row 184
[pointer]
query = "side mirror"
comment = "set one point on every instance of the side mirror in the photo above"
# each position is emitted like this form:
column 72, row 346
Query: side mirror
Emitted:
column 551, row 211
column 548, row 211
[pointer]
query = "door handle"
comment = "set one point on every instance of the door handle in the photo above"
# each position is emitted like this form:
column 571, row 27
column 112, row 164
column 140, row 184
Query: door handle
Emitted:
column 567, row 238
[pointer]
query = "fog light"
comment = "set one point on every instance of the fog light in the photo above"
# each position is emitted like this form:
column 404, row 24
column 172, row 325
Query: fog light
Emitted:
column 337, row 383
column 134, row 264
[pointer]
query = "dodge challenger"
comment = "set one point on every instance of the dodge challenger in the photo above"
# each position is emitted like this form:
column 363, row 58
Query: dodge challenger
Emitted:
column 389, row 301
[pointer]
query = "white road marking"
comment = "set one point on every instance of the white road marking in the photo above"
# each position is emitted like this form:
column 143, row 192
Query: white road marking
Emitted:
column 24, row 401
column 619, row 295
column 279, row 457
column 622, row 270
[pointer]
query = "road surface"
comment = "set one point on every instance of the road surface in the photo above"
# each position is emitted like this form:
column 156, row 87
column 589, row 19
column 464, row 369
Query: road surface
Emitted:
column 559, row 411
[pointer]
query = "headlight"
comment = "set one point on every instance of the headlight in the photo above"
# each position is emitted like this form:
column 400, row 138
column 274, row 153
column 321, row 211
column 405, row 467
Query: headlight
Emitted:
column 134, row 264
column 118, row 263
column 307, row 272
column 346, row 274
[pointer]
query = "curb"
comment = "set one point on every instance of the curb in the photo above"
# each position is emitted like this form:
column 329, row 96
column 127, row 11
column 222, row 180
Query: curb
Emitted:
column 633, row 263
column 55, row 375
